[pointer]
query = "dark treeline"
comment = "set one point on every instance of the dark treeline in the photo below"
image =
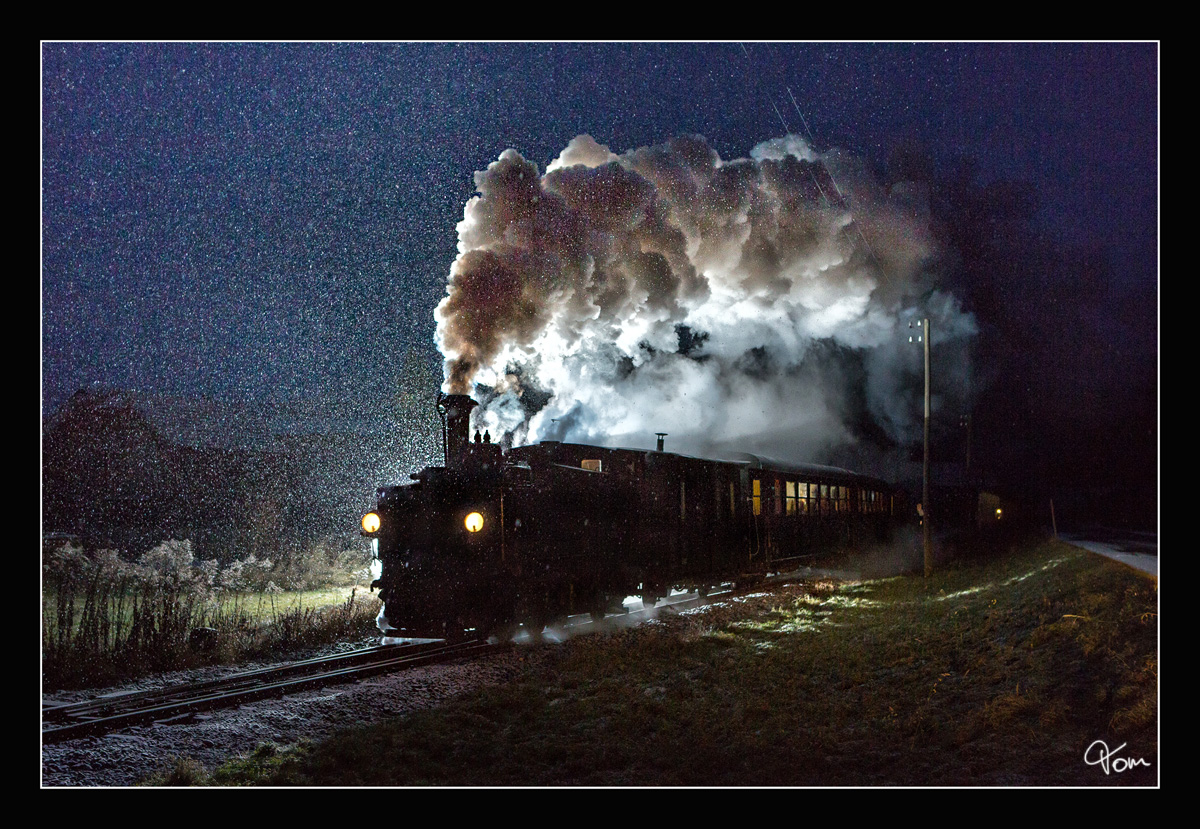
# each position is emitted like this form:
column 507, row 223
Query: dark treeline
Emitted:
column 126, row 471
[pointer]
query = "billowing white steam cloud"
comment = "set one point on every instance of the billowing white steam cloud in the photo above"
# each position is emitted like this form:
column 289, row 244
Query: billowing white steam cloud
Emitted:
column 752, row 305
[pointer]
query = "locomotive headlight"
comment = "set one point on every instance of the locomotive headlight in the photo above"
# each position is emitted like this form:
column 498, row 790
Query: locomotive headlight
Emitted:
column 370, row 522
column 473, row 522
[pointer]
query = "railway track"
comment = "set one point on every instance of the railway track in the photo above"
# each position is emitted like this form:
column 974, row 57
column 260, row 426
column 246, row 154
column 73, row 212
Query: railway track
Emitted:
column 114, row 712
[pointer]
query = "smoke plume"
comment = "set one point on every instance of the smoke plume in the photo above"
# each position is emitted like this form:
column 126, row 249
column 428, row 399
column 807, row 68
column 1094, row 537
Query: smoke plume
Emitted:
column 746, row 305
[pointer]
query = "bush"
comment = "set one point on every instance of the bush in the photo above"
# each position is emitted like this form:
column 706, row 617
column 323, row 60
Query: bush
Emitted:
column 183, row 771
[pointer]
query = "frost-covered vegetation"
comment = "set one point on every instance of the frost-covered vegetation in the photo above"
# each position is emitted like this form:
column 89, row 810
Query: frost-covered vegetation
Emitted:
column 105, row 617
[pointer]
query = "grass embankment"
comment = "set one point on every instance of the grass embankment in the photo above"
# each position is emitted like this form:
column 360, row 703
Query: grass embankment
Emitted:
column 992, row 672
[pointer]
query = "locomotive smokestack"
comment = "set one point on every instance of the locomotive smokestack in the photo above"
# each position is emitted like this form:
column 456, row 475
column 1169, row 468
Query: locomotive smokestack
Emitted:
column 661, row 435
column 456, row 418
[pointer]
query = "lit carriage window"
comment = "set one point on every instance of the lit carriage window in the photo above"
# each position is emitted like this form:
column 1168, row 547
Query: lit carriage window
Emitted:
column 592, row 465
column 791, row 497
column 756, row 496
column 823, row 499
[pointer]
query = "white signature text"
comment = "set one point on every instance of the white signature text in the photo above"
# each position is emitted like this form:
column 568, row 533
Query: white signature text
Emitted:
column 1106, row 760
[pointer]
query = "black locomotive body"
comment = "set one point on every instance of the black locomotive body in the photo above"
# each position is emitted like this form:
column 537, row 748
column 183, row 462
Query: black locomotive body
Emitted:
column 493, row 538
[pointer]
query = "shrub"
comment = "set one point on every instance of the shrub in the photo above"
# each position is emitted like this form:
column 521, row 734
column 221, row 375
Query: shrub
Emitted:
column 183, row 771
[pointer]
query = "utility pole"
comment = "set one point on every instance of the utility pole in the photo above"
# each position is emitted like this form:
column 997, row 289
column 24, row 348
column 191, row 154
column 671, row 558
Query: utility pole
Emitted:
column 965, row 420
column 925, row 505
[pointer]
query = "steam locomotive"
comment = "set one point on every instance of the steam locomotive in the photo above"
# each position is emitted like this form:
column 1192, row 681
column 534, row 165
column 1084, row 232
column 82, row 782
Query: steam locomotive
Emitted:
column 495, row 539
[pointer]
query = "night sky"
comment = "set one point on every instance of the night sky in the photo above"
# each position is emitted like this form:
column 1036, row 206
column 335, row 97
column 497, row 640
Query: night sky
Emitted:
column 271, row 223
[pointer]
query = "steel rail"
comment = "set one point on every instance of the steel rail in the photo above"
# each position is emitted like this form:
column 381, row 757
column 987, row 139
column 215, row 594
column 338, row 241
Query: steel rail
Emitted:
column 89, row 718
column 124, row 699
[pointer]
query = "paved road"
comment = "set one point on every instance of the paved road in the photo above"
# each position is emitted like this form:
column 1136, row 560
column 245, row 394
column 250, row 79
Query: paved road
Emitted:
column 1137, row 549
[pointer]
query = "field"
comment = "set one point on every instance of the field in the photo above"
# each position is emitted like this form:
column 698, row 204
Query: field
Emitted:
column 1012, row 667
column 106, row 620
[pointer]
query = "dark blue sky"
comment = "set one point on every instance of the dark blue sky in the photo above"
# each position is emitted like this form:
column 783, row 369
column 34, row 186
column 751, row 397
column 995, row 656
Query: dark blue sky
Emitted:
column 278, row 220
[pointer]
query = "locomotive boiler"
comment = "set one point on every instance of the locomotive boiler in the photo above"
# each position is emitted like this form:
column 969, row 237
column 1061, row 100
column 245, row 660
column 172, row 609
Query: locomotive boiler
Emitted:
column 494, row 539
